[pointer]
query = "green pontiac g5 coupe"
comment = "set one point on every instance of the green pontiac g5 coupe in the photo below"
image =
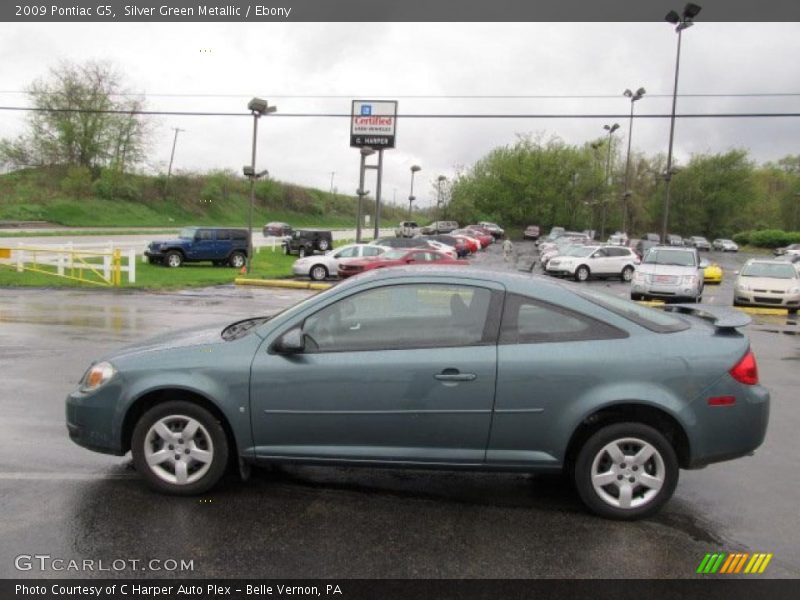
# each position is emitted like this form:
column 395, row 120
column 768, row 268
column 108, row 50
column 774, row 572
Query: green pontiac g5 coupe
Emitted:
column 443, row 368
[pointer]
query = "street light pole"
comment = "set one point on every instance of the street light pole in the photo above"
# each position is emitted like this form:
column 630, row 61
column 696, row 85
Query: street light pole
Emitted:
column 634, row 96
column 257, row 107
column 411, row 198
column 361, row 192
column 681, row 22
column 439, row 181
column 610, row 129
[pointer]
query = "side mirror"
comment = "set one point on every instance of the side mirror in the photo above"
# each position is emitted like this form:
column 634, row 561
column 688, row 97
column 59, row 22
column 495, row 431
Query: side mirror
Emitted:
column 291, row 342
column 703, row 264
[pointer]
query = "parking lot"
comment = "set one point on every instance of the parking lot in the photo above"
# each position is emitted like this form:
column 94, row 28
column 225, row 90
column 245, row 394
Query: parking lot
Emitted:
column 64, row 501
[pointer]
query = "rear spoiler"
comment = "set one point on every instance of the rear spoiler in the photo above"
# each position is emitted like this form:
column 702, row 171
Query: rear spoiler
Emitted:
column 724, row 318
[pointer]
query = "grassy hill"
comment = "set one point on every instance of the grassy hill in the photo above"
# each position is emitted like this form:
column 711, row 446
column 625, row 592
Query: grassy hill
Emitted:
column 78, row 197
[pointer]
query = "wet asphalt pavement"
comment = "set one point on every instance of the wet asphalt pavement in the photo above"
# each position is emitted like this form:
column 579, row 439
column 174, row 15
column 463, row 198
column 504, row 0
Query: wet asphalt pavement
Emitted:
column 61, row 500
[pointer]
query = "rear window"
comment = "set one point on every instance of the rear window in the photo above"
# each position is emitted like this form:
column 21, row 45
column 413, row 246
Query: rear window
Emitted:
column 650, row 318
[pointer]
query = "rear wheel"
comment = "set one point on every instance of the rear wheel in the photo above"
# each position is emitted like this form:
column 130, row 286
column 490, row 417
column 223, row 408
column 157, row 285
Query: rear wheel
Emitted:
column 582, row 273
column 237, row 260
column 636, row 297
column 626, row 471
column 627, row 273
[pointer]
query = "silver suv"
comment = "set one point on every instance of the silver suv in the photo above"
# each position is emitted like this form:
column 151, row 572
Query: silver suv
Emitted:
column 669, row 273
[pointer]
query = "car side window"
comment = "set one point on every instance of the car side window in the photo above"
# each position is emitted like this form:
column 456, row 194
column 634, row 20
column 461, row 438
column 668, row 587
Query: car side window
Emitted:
column 224, row 234
column 205, row 235
column 403, row 317
column 347, row 252
column 602, row 253
column 371, row 250
column 530, row 321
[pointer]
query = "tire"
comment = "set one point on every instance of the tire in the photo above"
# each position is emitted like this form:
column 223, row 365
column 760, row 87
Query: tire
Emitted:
column 323, row 245
column 237, row 260
column 318, row 272
column 173, row 259
column 302, row 251
column 627, row 273
column 158, row 440
column 653, row 480
column 636, row 297
column 582, row 273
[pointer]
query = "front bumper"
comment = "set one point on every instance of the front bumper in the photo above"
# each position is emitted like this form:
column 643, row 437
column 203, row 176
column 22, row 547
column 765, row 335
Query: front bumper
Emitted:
column 664, row 290
column 92, row 421
column 774, row 299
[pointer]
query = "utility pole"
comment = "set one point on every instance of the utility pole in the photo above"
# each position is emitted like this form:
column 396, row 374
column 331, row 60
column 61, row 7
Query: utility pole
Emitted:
column 172, row 157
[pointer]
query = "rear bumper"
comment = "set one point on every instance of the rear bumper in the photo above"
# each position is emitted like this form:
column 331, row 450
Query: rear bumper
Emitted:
column 722, row 433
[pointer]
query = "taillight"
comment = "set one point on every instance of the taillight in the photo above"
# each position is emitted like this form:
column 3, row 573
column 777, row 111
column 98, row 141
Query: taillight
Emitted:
column 746, row 370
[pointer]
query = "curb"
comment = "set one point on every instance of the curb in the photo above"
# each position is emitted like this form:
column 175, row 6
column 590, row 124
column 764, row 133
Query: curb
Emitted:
column 282, row 283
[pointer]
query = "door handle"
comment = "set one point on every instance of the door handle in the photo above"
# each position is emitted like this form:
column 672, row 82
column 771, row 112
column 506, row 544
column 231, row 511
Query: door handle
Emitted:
column 455, row 375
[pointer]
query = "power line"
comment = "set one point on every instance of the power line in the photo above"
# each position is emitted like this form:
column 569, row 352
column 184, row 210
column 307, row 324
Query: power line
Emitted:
column 436, row 96
column 410, row 116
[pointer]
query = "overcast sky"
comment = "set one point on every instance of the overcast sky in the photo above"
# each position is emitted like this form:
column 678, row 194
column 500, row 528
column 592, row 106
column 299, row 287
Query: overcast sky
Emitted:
column 286, row 63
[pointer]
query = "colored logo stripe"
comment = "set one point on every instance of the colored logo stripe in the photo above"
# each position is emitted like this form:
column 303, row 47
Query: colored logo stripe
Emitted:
column 724, row 563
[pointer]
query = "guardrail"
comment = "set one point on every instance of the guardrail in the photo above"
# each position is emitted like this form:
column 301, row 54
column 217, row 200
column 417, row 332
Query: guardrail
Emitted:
column 79, row 262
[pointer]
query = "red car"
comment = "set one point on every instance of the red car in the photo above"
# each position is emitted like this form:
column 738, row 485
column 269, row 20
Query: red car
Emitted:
column 396, row 258
column 483, row 234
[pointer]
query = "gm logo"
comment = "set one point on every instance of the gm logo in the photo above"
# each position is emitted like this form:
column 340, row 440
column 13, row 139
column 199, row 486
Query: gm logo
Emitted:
column 366, row 110
column 735, row 562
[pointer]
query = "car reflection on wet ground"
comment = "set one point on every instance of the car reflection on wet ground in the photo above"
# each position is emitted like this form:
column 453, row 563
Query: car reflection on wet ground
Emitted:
column 65, row 501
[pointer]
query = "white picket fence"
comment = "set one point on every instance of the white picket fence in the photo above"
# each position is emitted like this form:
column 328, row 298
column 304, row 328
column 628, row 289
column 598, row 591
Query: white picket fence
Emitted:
column 63, row 257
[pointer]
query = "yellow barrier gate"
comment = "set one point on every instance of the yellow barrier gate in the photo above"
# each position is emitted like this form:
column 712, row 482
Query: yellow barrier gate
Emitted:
column 68, row 263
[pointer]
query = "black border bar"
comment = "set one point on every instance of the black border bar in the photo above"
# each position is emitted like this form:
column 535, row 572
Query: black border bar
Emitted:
column 390, row 10
column 708, row 588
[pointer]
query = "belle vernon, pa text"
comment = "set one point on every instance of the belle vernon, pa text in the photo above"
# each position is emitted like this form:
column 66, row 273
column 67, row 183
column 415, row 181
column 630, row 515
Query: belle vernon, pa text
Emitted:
column 196, row 591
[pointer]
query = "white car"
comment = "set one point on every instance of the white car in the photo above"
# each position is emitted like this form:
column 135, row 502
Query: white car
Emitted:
column 669, row 273
column 322, row 266
column 584, row 262
column 767, row 282
column 725, row 245
column 443, row 248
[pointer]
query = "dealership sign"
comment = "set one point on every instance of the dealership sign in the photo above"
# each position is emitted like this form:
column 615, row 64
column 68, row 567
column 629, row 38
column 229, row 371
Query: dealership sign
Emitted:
column 373, row 123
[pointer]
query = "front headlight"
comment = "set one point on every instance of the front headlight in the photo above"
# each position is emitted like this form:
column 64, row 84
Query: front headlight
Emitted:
column 638, row 276
column 690, row 280
column 98, row 375
column 744, row 287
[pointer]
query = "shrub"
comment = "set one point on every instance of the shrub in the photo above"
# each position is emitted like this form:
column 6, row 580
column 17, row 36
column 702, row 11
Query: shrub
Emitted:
column 77, row 182
column 742, row 238
column 773, row 238
column 115, row 185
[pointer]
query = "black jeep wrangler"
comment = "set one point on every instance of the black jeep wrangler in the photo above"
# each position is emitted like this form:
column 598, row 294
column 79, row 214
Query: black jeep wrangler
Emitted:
column 308, row 241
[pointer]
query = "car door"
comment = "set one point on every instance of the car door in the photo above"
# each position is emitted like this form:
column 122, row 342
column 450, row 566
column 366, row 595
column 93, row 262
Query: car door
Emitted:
column 203, row 247
column 222, row 244
column 548, row 357
column 600, row 262
column 391, row 373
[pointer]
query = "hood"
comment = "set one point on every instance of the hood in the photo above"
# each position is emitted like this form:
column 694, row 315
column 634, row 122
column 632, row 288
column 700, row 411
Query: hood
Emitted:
column 169, row 241
column 196, row 336
column 654, row 269
column 768, row 283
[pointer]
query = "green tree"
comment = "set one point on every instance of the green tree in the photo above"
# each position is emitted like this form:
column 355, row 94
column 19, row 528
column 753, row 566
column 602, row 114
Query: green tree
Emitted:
column 82, row 117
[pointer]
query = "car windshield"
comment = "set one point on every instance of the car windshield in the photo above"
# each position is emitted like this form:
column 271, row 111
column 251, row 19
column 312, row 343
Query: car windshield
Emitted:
column 663, row 256
column 773, row 270
column 187, row 233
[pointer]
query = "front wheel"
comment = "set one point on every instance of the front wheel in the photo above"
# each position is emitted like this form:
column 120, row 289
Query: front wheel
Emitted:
column 179, row 448
column 173, row 259
column 302, row 252
column 318, row 272
column 582, row 273
column 627, row 273
column 626, row 471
